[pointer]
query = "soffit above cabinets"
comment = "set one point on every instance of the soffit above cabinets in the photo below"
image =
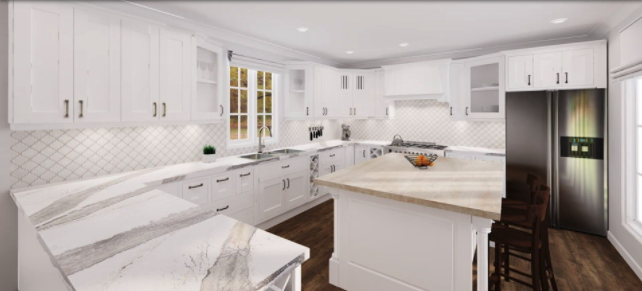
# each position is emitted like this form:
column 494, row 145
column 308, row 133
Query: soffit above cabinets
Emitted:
column 374, row 30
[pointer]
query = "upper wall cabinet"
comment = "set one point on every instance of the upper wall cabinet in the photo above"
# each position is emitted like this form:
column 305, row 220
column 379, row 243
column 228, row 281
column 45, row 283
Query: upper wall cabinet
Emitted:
column 425, row 80
column 325, row 96
column 381, row 107
column 96, row 67
column 477, row 88
column 176, row 70
column 356, row 90
column 299, row 90
column 140, row 79
column 42, row 63
column 574, row 66
column 208, row 68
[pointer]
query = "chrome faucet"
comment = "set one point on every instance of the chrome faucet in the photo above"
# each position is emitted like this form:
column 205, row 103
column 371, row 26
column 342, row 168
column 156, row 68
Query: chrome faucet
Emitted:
column 261, row 145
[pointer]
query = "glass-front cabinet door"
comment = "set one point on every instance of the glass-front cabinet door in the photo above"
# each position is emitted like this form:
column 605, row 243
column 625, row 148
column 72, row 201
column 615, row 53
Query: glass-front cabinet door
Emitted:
column 298, row 91
column 208, row 97
column 485, row 91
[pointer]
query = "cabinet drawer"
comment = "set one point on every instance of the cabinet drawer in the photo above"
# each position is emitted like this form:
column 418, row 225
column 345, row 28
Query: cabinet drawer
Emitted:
column 223, row 186
column 244, row 180
column 196, row 191
column 331, row 156
column 245, row 215
column 231, row 205
column 277, row 169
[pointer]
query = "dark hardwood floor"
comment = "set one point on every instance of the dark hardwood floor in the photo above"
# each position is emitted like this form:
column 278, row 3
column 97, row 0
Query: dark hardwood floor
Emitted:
column 581, row 261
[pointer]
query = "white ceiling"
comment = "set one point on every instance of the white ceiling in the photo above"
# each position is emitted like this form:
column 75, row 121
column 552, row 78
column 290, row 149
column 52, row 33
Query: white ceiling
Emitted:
column 375, row 29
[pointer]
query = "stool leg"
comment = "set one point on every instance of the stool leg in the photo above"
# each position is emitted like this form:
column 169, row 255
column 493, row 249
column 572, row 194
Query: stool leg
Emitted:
column 507, row 263
column 535, row 269
column 498, row 267
column 549, row 263
column 542, row 270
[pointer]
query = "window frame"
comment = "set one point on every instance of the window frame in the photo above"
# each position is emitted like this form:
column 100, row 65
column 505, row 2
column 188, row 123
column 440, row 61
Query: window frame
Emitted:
column 252, row 115
column 631, row 172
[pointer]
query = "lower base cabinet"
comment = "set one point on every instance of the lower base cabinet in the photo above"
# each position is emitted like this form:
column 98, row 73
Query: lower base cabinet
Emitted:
column 281, row 194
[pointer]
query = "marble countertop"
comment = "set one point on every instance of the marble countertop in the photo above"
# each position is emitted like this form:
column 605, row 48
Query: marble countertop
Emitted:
column 458, row 185
column 477, row 151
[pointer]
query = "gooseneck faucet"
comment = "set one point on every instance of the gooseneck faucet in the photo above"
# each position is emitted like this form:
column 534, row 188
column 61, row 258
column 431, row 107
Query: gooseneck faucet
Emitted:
column 261, row 145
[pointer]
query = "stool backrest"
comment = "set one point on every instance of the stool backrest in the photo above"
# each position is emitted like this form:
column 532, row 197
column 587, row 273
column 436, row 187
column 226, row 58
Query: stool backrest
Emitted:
column 534, row 183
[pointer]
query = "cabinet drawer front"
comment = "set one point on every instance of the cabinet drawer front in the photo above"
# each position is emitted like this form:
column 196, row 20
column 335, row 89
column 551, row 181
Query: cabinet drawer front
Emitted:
column 223, row 186
column 234, row 204
column 196, row 191
column 245, row 180
column 329, row 157
column 276, row 169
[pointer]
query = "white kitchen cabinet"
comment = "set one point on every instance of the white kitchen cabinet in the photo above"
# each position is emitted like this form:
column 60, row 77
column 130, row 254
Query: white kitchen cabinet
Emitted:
column 349, row 156
column 42, row 62
column 325, row 97
column 344, row 82
column 139, row 69
column 520, row 72
column 457, row 91
column 547, row 69
column 196, row 190
column 96, row 67
column 577, row 67
column 245, row 180
column 381, row 107
column 484, row 95
column 208, row 96
column 176, row 71
column 299, row 91
column 361, row 154
column 296, row 190
column 362, row 93
column 223, row 186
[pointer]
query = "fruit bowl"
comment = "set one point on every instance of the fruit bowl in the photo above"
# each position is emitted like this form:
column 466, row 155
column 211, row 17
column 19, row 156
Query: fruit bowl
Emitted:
column 413, row 158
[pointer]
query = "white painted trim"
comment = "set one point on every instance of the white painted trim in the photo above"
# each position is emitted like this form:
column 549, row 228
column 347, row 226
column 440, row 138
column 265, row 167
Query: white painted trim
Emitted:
column 627, row 257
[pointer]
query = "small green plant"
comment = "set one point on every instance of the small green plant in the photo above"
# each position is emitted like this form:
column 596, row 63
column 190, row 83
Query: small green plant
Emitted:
column 209, row 150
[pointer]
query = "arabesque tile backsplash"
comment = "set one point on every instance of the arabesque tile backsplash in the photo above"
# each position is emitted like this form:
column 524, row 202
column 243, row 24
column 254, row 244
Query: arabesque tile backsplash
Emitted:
column 49, row 156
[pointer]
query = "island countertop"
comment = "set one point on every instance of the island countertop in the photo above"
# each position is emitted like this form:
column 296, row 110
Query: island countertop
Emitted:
column 458, row 185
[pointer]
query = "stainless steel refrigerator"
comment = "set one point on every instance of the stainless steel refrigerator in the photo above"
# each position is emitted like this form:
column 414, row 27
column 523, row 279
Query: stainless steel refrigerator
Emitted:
column 560, row 136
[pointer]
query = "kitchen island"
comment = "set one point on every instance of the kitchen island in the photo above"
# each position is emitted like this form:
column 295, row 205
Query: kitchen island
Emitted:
column 401, row 228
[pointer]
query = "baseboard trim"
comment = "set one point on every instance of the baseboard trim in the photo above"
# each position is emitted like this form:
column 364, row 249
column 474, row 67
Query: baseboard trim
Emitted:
column 292, row 213
column 627, row 257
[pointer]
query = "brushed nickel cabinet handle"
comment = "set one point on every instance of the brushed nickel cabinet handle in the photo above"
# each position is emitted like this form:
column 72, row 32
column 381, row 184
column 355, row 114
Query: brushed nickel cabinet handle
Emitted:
column 245, row 175
column 451, row 111
column 155, row 109
column 566, row 77
column 307, row 111
column 195, row 186
column 222, row 110
column 466, row 110
column 66, row 108
column 164, row 109
column 221, row 209
column 222, row 180
column 81, row 110
column 529, row 80
column 558, row 78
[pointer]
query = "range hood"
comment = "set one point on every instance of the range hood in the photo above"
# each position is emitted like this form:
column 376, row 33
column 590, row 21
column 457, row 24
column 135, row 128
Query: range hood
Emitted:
column 417, row 81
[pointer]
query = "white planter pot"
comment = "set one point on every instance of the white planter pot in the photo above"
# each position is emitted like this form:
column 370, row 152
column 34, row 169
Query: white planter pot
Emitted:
column 209, row 158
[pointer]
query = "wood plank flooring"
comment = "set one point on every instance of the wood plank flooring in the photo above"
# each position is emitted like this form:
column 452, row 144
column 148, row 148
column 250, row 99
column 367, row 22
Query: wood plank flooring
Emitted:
column 581, row 261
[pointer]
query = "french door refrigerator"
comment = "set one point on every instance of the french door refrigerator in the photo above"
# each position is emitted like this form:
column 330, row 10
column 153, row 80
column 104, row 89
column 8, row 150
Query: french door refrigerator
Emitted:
column 560, row 136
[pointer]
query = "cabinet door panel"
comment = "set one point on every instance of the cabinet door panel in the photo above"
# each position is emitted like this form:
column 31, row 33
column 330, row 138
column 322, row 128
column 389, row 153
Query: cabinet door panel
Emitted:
column 320, row 92
column 381, row 107
column 344, row 96
column 208, row 97
column 271, row 198
column 578, row 67
column 299, row 92
column 96, row 67
column 223, row 186
column 175, row 75
column 362, row 94
column 43, row 62
column 547, row 69
column 361, row 154
column 520, row 72
column 139, row 69
column 296, row 192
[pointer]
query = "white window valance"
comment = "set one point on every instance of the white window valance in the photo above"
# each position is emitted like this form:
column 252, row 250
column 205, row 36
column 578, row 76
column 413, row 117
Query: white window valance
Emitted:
column 630, row 52
column 254, row 63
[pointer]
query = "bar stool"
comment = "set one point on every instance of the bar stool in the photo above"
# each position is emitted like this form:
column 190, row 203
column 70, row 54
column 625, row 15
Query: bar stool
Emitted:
column 513, row 216
column 524, row 242
column 534, row 183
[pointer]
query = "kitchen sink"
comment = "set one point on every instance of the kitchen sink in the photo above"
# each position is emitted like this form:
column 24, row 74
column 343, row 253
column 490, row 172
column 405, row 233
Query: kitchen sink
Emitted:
column 258, row 156
column 284, row 152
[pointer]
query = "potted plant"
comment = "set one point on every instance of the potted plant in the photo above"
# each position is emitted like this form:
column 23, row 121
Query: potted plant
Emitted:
column 209, row 154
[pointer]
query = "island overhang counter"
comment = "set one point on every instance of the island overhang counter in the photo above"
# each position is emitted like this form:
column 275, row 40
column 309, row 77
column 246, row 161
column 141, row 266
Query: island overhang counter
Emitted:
column 398, row 227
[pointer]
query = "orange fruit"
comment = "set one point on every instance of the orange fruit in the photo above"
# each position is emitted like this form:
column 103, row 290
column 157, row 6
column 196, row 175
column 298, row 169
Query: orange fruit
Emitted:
column 421, row 157
column 426, row 162
column 418, row 162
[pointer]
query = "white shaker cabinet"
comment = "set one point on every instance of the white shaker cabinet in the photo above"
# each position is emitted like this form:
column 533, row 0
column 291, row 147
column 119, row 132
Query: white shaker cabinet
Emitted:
column 175, row 75
column 520, row 72
column 547, row 69
column 208, row 95
column 140, row 78
column 42, row 62
column 484, row 95
column 325, row 97
column 577, row 67
column 364, row 89
column 299, row 91
column 96, row 67
column 381, row 107
column 296, row 190
column 344, row 84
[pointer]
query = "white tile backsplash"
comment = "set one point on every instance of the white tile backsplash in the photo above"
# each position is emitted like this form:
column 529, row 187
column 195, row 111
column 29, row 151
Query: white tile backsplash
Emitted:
column 48, row 156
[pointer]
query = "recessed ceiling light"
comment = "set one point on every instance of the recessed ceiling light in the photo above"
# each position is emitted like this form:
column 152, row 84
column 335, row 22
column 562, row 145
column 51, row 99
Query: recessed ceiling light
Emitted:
column 302, row 29
column 349, row 52
column 559, row 20
column 404, row 44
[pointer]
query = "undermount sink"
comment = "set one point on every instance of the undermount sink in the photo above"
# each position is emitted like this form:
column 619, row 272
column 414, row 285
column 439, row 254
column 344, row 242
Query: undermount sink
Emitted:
column 258, row 156
column 285, row 152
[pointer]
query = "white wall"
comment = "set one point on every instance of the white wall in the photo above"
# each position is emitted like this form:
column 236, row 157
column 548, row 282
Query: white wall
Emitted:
column 624, row 241
column 8, row 213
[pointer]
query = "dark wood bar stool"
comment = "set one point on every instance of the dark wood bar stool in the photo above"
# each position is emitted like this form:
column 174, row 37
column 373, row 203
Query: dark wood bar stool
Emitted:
column 513, row 239
column 513, row 216
column 533, row 183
